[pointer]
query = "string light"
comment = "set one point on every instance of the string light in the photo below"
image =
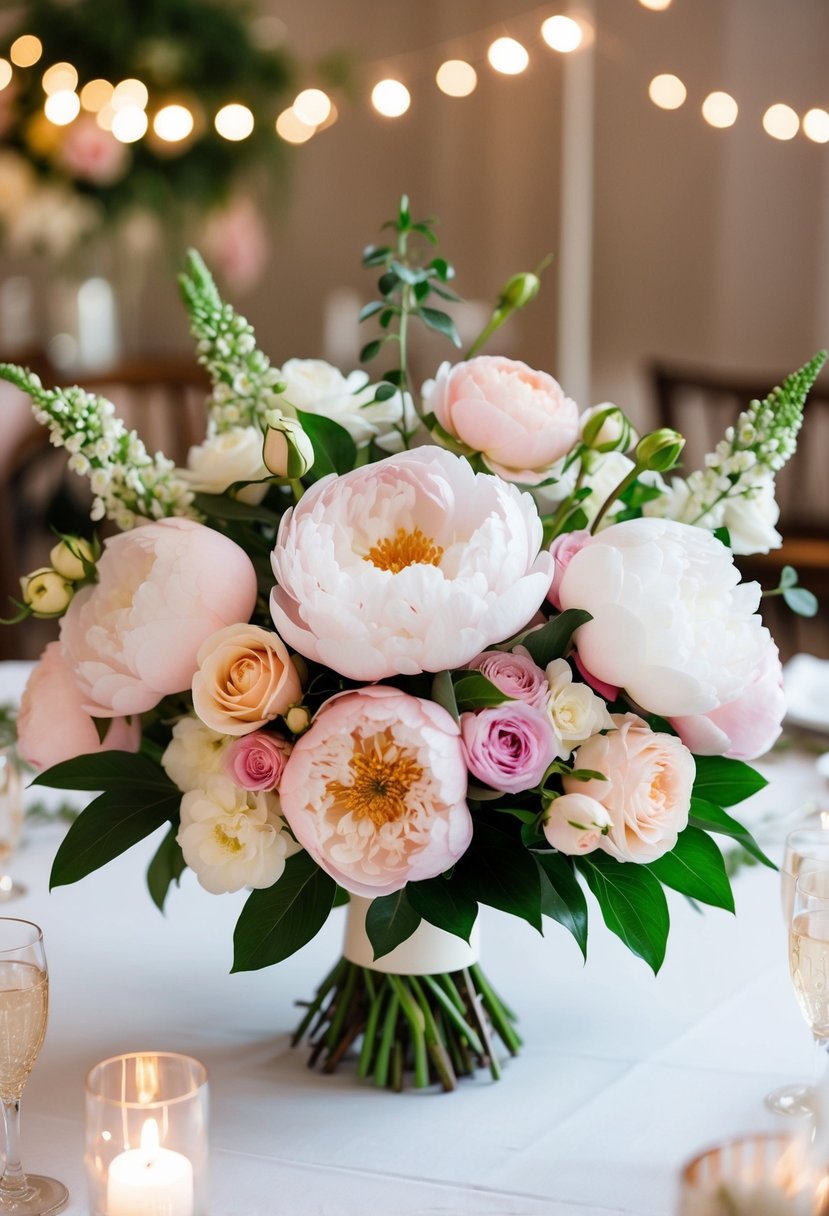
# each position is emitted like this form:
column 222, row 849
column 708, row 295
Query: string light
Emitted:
column 562, row 34
column 292, row 128
column 95, row 94
column 720, row 110
column 312, row 106
column 781, row 122
column 508, row 56
column 129, row 124
column 60, row 76
column 6, row 74
column 26, row 50
column 173, row 123
column 816, row 126
column 129, row 94
column 234, row 122
column 62, row 107
column 105, row 116
column 390, row 98
column 656, row 6
column 456, row 78
column 667, row 91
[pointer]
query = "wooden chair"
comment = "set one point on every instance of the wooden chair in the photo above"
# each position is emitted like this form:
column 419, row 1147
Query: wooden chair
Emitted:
column 701, row 403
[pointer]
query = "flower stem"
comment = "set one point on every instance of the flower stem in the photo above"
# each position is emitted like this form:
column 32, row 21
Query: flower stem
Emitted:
column 613, row 495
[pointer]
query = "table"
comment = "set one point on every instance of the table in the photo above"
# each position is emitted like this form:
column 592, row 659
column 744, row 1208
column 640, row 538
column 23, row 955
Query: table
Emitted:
column 623, row 1077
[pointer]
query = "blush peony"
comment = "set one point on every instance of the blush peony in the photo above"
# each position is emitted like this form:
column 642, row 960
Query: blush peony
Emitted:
column 415, row 563
column 376, row 790
column 162, row 590
column 672, row 624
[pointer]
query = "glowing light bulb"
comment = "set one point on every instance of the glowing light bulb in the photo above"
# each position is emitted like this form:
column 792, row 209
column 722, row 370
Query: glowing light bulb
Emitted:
column 26, row 50
column 60, row 77
column 456, row 78
column 312, row 106
column 656, row 6
column 62, row 107
column 105, row 116
column 563, row 34
column 130, row 93
column 173, row 123
column 95, row 94
column 390, row 98
column 129, row 124
column 234, row 121
column 667, row 91
column 816, row 126
column 292, row 128
column 508, row 56
column 6, row 73
column 720, row 110
column 781, row 122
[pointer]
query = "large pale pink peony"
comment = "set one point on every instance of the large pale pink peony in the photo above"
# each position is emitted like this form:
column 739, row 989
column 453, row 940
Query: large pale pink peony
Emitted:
column 672, row 624
column 518, row 419
column 54, row 724
column 411, row 564
column 376, row 790
column 162, row 590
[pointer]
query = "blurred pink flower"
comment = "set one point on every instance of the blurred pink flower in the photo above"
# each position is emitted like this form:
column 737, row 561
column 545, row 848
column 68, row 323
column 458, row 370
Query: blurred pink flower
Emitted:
column 257, row 761
column 54, row 724
column 376, row 790
column 234, row 239
column 509, row 746
column 162, row 590
column 91, row 154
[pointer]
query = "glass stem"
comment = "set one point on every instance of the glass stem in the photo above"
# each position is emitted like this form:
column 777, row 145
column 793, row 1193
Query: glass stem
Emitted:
column 13, row 1177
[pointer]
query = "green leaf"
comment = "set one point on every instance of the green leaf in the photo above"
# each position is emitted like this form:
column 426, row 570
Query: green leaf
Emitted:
column 369, row 310
column 632, row 904
column 788, row 577
column 166, row 867
column 801, row 601
column 375, row 255
column 277, row 921
column 341, row 898
column 712, row 818
column 562, row 898
column 725, row 782
column 474, row 691
column 441, row 322
column 443, row 692
column 723, row 536
column 695, row 867
column 442, row 269
column 102, row 727
column 390, row 920
column 370, row 350
column 387, row 283
column 498, row 871
column 112, row 771
column 384, row 391
column 222, row 506
column 110, row 825
column 552, row 640
column 334, row 449
column 440, row 903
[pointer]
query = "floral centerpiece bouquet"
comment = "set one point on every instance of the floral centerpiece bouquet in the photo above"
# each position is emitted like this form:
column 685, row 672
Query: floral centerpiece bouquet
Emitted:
column 414, row 652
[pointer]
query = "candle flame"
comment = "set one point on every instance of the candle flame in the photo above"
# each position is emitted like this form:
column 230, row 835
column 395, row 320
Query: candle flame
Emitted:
column 149, row 1140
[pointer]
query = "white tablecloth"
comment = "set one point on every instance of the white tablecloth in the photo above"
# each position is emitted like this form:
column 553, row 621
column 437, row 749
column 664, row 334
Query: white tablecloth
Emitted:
column 623, row 1076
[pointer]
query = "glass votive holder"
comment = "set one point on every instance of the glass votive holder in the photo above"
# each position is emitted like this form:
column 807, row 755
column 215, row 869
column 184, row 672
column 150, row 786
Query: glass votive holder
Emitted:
column 762, row 1175
column 146, row 1135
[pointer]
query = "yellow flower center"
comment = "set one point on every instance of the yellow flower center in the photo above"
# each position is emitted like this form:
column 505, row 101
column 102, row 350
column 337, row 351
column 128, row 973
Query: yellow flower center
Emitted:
column 382, row 777
column 405, row 549
column 231, row 844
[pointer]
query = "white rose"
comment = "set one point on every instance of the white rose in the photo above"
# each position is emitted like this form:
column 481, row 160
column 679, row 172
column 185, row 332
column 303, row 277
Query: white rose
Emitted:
column 314, row 386
column 576, row 711
column 233, row 455
column 576, row 823
column 671, row 622
column 750, row 519
column 233, row 838
column 194, row 753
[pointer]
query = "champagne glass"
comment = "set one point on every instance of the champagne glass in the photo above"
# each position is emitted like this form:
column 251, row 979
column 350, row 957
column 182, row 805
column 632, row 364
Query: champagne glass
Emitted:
column 809, row 959
column 24, row 1001
column 11, row 819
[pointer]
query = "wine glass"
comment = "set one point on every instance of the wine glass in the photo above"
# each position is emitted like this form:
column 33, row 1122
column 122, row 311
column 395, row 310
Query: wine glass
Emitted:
column 11, row 819
column 809, row 961
column 24, row 1001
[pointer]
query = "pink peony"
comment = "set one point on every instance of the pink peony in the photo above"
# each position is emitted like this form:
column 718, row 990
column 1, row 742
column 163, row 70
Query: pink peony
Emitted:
column 415, row 563
column 646, row 791
column 518, row 419
column 746, row 727
column 91, row 154
column 257, row 761
column 510, row 747
column 563, row 549
column 162, row 589
column 575, row 824
column 54, row 724
column 376, row 790
column 516, row 675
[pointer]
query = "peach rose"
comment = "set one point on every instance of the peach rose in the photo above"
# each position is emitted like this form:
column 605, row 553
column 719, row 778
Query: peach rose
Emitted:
column 518, row 419
column 54, row 724
column 646, row 791
column 245, row 678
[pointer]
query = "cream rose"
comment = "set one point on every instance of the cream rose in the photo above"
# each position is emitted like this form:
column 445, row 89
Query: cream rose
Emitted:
column 233, row 455
column 574, row 709
column 194, row 753
column 646, row 791
column 245, row 678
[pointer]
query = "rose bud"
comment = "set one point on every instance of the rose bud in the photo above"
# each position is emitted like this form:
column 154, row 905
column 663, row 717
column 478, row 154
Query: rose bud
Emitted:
column 72, row 558
column 46, row 592
column 287, row 451
column 659, row 451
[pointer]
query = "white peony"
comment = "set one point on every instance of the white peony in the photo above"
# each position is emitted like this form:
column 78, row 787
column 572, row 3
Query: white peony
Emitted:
column 194, row 753
column 233, row 455
column 575, row 710
column 415, row 563
column 315, row 387
column 233, row 838
column 672, row 624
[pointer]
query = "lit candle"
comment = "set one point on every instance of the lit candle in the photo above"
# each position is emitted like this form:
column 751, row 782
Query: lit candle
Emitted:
column 150, row 1180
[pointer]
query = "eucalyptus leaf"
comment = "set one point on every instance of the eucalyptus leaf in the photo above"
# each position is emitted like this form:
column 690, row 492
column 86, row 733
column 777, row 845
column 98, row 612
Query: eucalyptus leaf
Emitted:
column 801, row 601
column 441, row 322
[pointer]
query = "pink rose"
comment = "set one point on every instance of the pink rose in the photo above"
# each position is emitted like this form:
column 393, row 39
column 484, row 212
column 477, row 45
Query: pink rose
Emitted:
column 376, row 790
column 162, row 589
column 91, row 154
column 746, row 727
column 516, row 675
column 245, row 678
column 576, row 824
column 509, row 746
column 54, row 724
column 257, row 761
column 563, row 549
column 646, row 791
column 518, row 419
